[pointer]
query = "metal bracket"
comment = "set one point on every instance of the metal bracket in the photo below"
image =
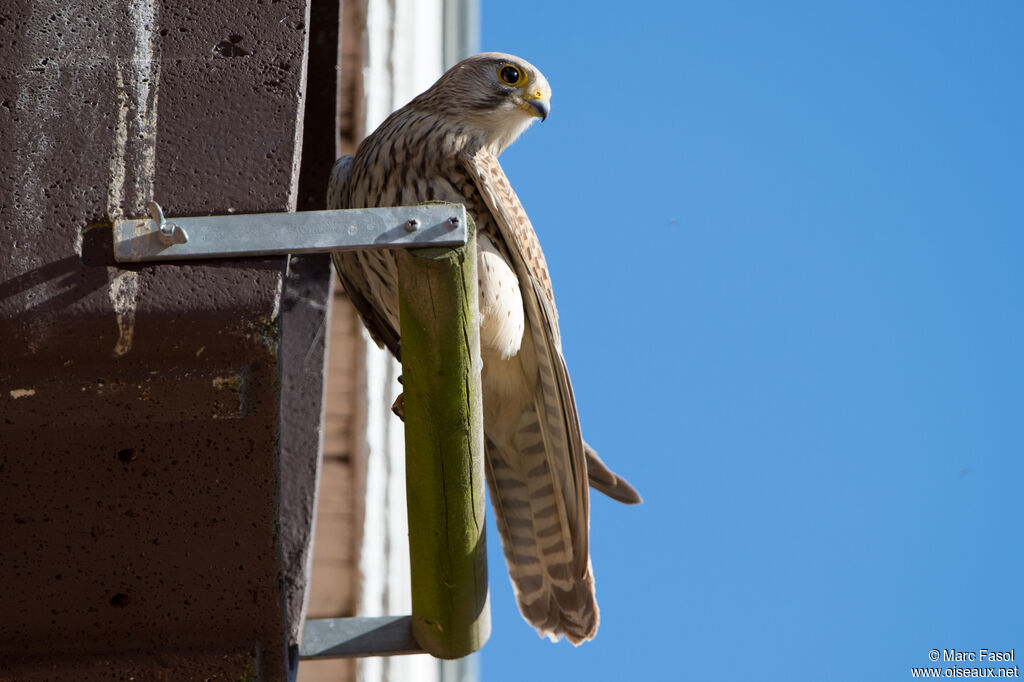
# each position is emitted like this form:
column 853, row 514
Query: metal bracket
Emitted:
column 263, row 234
column 232, row 236
column 357, row 637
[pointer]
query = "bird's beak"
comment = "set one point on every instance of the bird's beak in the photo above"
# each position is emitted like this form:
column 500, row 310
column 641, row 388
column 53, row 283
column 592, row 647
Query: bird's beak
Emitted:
column 538, row 104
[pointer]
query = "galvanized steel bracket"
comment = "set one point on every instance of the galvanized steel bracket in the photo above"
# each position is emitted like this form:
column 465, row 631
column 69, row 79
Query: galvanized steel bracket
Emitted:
column 157, row 238
column 358, row 637
column 263, row 234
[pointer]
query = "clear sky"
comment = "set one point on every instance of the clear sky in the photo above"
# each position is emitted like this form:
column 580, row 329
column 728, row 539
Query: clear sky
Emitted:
column 787, row 243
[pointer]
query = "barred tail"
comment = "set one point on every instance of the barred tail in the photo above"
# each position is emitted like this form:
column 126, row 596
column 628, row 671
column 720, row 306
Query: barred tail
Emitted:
column 553, row 594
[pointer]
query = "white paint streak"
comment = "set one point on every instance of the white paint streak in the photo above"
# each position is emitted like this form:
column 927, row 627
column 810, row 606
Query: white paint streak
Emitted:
column 115, row 185
column 123, row 291
column 122, row 285
column 146, row 89
column 22, row 393
column 137, row 82
column 136, row 85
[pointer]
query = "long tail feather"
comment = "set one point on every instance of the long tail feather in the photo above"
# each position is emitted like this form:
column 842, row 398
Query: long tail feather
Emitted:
column 536, row 540
column 604, row 480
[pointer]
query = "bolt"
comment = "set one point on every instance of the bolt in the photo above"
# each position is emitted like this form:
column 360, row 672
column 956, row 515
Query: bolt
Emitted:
column 165, row 233
column 412, row 225
column 453, row 222
column 169, row 233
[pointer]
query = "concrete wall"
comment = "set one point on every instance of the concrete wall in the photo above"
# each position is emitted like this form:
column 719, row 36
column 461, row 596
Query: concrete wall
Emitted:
column 141, row 430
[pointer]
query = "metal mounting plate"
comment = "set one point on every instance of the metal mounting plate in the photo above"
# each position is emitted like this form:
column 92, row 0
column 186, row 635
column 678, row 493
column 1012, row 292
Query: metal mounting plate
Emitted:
column 262, row 234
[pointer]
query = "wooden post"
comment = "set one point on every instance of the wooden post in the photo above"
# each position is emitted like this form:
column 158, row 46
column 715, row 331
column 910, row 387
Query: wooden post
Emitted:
column 444, row 448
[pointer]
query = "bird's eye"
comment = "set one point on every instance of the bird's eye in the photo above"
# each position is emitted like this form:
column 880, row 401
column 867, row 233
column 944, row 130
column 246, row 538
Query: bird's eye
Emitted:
column 510, row 75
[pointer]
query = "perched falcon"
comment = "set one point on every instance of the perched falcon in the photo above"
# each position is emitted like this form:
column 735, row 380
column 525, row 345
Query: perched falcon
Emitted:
column 444, row 146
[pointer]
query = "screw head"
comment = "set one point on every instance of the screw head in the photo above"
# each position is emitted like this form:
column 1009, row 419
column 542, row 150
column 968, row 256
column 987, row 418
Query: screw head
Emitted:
column 412, row 225
column 165, row 233
column 169, row 233
column 453, row 222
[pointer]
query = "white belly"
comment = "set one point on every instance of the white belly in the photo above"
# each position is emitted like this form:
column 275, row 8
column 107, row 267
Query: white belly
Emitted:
column 501, row 302
column 510, row 368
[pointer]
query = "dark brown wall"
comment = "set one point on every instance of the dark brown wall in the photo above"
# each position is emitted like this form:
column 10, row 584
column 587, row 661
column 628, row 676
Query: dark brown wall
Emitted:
column 140, row 407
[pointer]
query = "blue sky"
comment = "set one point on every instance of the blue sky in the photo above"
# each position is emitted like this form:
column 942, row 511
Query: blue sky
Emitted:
column 787, row 242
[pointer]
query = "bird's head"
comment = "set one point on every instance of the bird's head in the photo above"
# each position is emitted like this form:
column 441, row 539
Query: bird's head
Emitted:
column 497, row 95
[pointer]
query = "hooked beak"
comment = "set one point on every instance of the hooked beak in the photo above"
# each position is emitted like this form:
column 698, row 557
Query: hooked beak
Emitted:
column 538, row 105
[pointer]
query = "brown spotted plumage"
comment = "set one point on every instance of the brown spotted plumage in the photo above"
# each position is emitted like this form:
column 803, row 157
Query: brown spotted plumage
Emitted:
column 443, row 146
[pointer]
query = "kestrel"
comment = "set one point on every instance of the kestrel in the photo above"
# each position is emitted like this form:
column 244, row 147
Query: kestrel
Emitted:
column 444, row 146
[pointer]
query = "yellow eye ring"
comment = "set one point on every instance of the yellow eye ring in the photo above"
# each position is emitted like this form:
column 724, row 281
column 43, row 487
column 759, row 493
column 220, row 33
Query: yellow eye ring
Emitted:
column 512, row 75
